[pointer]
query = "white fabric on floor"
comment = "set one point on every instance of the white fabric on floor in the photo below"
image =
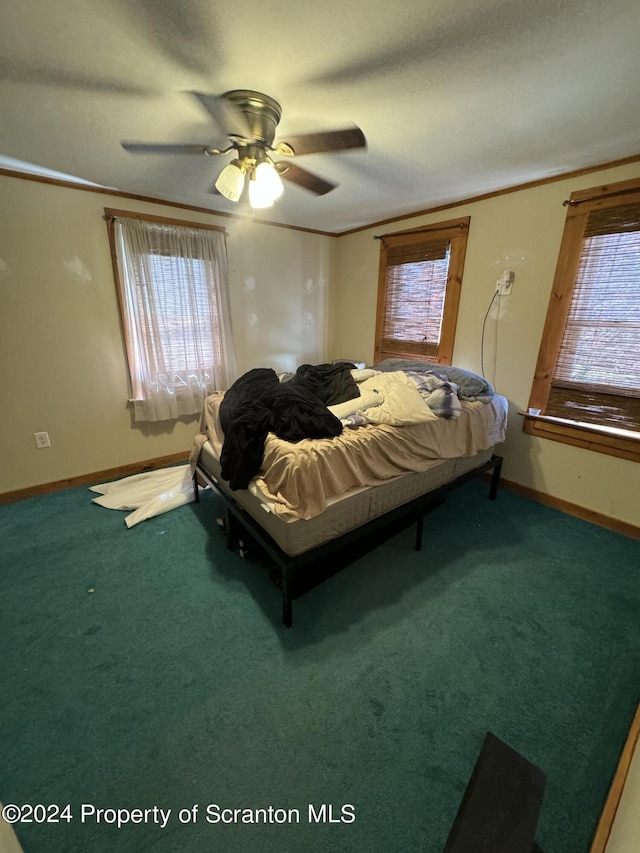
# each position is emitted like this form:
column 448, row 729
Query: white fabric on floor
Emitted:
column 150, row 493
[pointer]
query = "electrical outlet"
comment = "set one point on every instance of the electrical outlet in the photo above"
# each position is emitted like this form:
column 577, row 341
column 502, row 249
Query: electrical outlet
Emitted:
column 42, row 439
column 505, row 282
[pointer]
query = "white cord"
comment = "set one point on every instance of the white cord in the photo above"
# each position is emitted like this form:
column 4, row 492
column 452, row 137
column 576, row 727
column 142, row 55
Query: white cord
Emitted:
column 484, row 323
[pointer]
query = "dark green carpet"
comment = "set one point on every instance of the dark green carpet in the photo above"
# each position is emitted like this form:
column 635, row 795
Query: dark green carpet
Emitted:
column 172, row 683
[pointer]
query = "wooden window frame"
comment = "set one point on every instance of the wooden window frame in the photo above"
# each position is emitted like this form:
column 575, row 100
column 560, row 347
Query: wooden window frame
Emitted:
column 588, row 436
column 456, row 231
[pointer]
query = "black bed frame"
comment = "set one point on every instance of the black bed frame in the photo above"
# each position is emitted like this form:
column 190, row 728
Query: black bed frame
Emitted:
column 237, row 519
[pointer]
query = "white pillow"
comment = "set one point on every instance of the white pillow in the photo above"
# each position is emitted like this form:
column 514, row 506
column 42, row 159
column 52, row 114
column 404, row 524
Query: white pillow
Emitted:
column 366, row 400
column 364, row 373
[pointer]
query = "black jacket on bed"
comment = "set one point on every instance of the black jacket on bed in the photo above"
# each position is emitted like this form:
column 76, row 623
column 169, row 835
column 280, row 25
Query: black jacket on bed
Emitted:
column 258, row 403
column 330, row 383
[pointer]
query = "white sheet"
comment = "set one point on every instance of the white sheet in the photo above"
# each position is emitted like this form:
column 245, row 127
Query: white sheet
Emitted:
column 402, row 404
column 148, row 494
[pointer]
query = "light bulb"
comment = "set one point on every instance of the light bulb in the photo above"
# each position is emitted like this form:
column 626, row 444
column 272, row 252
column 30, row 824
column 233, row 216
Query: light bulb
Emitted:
column 259, row 196
column 267, row 175
column 230, row 181
column 265, row 186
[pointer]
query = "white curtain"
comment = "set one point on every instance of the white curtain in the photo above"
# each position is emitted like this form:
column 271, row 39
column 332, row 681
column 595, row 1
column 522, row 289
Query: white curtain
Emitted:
column 174, row 298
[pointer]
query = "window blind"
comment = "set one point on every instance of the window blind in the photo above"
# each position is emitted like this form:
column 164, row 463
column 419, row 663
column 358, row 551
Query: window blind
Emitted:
column 416, row 285
column 596, row 378
column 187, row 320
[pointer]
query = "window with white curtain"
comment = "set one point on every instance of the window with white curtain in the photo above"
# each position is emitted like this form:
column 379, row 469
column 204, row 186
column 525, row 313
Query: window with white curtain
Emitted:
column 173, row 290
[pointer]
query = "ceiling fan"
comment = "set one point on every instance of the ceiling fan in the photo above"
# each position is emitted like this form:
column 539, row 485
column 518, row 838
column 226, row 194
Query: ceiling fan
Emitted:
column 249, row 120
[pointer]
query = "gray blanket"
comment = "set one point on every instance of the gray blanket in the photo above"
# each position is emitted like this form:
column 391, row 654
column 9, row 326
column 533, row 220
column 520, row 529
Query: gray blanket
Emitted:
column 471, row 386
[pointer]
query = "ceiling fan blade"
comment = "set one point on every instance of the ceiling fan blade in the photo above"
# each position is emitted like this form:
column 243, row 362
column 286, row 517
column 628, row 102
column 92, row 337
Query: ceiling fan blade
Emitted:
column 225, row 114
column 153, row 148
column 19, row 71
column 307, row 180
column 185, row 34
column 330, row 140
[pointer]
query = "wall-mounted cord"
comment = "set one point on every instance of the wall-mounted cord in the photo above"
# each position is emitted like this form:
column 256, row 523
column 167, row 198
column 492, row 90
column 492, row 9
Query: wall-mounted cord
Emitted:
column 484, row 323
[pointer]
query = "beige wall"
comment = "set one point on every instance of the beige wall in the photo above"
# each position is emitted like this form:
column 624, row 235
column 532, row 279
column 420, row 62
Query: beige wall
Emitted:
column 520, row 231
column 62, row 362
column 295, row 297
column 279, row 282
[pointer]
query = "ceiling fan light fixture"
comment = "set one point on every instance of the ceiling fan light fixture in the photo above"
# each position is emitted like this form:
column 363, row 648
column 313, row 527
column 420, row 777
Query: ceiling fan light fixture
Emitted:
column 250, row 120
column 230, row 181
column 267, row 175
column 265, row 185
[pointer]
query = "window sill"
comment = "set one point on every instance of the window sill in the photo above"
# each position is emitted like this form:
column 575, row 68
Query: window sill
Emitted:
column 614, row 442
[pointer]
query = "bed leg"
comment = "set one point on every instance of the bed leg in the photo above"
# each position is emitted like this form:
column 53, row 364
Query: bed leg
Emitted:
column 196, row 488
column 495, row 478
column 231, row 530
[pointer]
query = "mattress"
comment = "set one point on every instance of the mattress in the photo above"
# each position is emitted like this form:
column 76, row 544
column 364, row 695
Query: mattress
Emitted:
column 315, row 490
column 347, row 512
column 301, row 480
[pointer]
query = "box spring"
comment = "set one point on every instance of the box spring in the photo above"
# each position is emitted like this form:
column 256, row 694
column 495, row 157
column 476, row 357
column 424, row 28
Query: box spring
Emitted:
column 350, row 511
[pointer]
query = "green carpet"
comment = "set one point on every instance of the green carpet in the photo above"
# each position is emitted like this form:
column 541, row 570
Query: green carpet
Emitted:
column 148, row 667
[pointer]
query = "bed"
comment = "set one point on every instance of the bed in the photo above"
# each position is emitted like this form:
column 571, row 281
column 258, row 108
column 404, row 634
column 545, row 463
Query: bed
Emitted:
column 406, row 434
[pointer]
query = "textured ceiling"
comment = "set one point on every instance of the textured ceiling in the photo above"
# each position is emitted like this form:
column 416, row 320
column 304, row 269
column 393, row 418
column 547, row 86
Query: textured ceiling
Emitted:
column 455, row 99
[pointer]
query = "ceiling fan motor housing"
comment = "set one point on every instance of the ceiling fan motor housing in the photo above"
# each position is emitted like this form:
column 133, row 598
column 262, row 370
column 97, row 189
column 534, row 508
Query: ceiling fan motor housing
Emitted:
column 261, row 112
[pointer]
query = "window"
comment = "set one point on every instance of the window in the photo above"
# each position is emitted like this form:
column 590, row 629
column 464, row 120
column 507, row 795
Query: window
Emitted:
column 587, row 380
column 419, row 291
column 173, row 294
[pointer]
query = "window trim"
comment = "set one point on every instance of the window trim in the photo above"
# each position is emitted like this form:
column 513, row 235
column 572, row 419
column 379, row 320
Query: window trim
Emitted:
column 457, row 231
column 582, row 435
column 579, row 434
column 111, row 213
